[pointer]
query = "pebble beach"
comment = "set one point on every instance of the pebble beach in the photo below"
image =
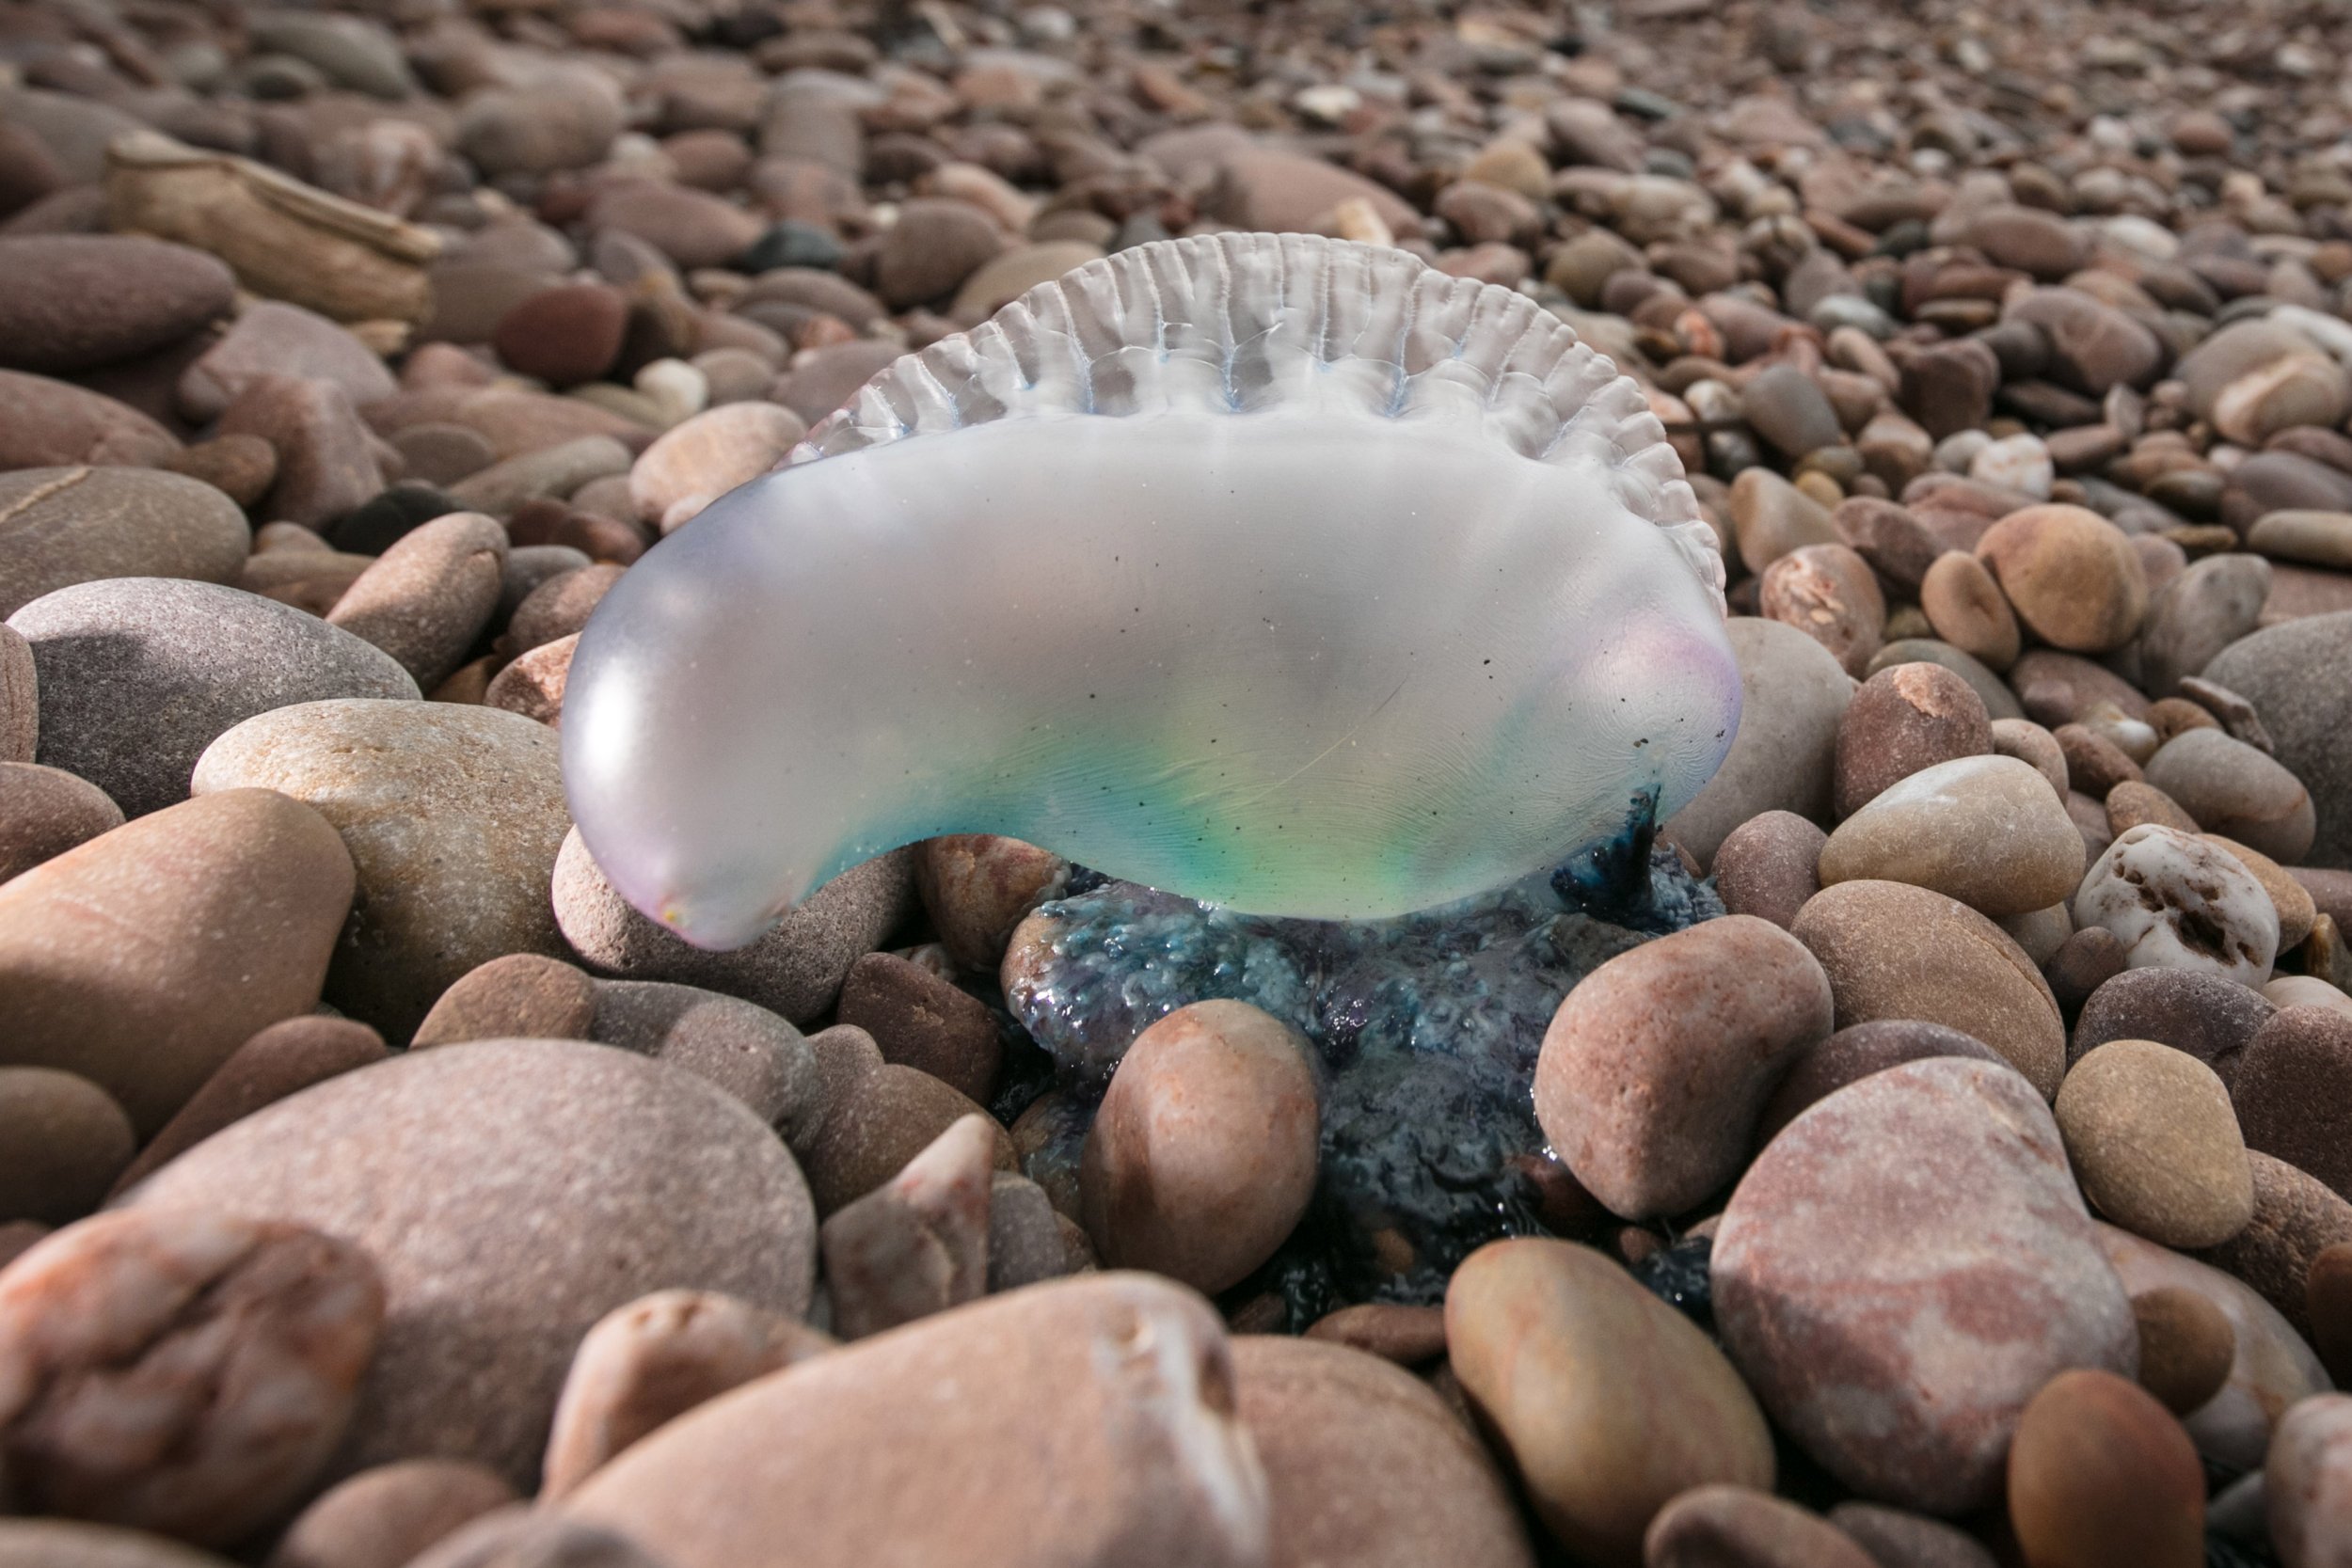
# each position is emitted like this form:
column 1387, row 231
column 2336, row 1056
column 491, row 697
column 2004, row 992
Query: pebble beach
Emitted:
column 1933, row 1150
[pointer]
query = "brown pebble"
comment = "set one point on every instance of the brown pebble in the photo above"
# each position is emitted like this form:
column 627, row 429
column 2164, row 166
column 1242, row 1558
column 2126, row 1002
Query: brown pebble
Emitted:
column 888, row 1116
column 533, row 683
column 1408, row 1336
column 2187, row 1346
column 1964, row 606
column 1737, row 1526
column 46, row 811
column 2327, row 1293
column 2094, row 764
column 2029, row 742
column 2292, row 1090
column 2296, row 1217
column 186, row 1374
column 977, row 887
column 2072, row 576
column 1828, row 592
column 2100, row 1475
column 522, row 1537
column 2133, row 802
column 1366, row 1466
column 62, row 1141
column 654, row 1360
column 917, row 1243
column 2084, row 962
column 520, row 996
column 1766, row 866
column 1904, row 719
column 1854, row 1053
column 284, row 1058
column 388, row 1516
column 923, row 1021
column 1898, row 1539
column 1204, row 1155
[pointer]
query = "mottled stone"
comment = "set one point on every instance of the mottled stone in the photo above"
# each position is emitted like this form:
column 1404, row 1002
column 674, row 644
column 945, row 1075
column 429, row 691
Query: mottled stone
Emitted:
column 139, row 674
column 2071, row 575
column 2178, row 902
column 977, row 887
column 142, row 958
column 1094, row 1427
column 613, row 1176
column 1894, row 1333
column 452, row 816
column 1828, row 592
column 1608, row 1402
column 1655, row 1065
column 187, row 1374
column 2210, row 1018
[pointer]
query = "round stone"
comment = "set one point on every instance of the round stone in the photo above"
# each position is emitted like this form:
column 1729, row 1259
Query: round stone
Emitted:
column 2174, row 900
column 46, row 811
column 139, row 674
column 2296, row 1217
column 2292, row 674
column 2156, row 1144
column 565, row 335
column 1365, row 1466
column 1709, row 1526
column 2233, row 789
column 2072, row 576
column 1767, row 867
column 1987, row 831
column 1792, row 694
column 2100, row 1475
column 612, row 1176
column 142, row 958
column 1894, row 1331
column 1898, row 1539
column 881, row 1117
column 63, row 525
column 2187, row 1346
column 387, row 1516
column 2210, row 1018
column 429, row 597
column 2292, row 1089
column 1092, row 1420
column 2271, row 1368
column 452, row 816
column 75, row 302
column 1893, row 951
column 1656, row 1065
column 63, row 1141
column 1902, row 720
column 795, row 968
column 710, row 454
column 1202, row 1157
column 1853, row 1055
column 1609, row 1403
column 1828, row 592
column 1966, row 609
column 2327, row 1289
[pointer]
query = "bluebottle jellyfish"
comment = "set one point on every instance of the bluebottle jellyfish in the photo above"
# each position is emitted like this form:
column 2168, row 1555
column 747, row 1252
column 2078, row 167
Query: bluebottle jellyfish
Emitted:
column 1283, row 572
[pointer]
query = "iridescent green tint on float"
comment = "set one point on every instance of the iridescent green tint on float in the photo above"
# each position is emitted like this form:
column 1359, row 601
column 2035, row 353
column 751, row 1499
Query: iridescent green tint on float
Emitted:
column 1281, row 573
